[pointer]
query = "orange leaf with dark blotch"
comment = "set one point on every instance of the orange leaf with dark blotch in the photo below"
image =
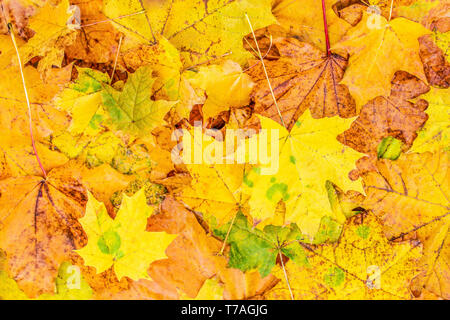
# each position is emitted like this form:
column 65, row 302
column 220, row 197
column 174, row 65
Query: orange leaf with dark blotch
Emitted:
column 435, row 66
column 389, row 116
column 39, row 227
column 303, row 77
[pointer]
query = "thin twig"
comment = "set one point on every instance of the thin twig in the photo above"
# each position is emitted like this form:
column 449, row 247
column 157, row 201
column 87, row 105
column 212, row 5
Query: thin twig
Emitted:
column 115, row 60
column 112, row 19
column 265, row 55
column 390, row 11
column 28, row 101
column 285, row 275
column 265, row 70
column 226, row 237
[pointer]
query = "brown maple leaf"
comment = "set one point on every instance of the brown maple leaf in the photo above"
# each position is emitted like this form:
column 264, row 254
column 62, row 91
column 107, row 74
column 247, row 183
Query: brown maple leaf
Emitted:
column 389, row 116
column 302, row 77
column 39, row 227
column 97, row 41
column 435, row 66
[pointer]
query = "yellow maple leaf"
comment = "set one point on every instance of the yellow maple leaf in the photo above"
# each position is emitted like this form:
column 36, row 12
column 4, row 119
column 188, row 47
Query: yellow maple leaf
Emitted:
column 224, row 85
column 363, row 265
column 200, row 30
column 378, row 48
column 304, row 18
column 215, row 191
column 435, row 135
column 216, row 186
column 411, row 197
column 211, row 289
column 52, row 33
column 122, row 243
column 82, row 98
column 410, row 192
column 309, row 156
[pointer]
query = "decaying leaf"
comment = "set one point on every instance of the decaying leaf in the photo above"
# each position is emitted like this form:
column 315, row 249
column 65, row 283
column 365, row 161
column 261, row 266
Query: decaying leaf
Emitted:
column 200, row 30
column 434, row 54
column 302, row 78
column 411, row 197
column 392, row 116
column 363, row 265
column 39, row 227
column 394, row 192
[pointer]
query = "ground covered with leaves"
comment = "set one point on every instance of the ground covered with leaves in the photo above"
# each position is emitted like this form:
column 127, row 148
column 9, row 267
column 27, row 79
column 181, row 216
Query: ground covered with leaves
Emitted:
column 95, row 96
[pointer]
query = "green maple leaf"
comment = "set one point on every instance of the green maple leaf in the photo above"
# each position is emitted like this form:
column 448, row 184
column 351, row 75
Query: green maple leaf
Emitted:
column 132, row 109
column 252, row 248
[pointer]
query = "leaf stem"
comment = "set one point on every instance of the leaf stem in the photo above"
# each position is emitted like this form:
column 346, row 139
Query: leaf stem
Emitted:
column 285, row 274
column 226, row 237
column 115, row 60
column 265, row 71
column 325, row 27
column 28, row 101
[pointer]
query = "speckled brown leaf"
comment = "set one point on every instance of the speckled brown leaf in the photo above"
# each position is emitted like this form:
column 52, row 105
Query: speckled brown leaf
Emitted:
column 97, row 41
column 389, row 116
column 435, row 66
column 412, row 197
column 39, row 227
column 303, row 77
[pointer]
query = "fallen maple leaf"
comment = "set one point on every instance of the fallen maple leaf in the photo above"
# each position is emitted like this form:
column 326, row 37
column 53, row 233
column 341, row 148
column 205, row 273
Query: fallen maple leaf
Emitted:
column 393, row 45
column 302, row 19
column 201, row 31
column 82, row 99
column 131, row 109
column 392, row 116
column 50, row 37
column 123, row 242
column 435, row 57
column 252, row 248
column 309, row 156
column 396, row 187
column 224, row 86
column 303, row 77
column 97, row 41
column 363, row 265
column 435, row 135
column 39, row 227
column 411, row 196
